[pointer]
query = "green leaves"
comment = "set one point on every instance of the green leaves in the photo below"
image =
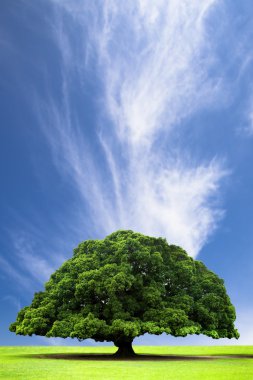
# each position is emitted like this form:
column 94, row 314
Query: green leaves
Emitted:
column 127, row 285
column 88, row 327
column 125, row 329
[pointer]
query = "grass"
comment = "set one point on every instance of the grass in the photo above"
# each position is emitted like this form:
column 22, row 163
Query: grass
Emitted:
column 25, row 363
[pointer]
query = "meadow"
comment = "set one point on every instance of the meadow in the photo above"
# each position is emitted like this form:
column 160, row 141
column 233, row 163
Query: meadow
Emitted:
column 58, row 363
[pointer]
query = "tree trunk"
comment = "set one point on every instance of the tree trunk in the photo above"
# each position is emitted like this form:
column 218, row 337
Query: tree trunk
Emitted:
column 125, row 350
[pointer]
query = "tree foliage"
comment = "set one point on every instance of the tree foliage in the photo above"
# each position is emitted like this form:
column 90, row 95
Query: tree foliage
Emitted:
column 125, row 286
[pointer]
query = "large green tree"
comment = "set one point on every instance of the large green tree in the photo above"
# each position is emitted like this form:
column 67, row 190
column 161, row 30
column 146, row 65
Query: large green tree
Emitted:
column 125, row 286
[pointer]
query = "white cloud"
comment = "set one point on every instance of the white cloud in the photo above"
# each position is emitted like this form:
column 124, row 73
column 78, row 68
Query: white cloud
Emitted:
column 175, row 202
column 36, row 266
column 15, row 274
column 14, row 301
column 72, row 157
column 154, row 61
column 53, row 341
column 246, row 127
column 31, row 268
column 244, row 325
column 249, row 129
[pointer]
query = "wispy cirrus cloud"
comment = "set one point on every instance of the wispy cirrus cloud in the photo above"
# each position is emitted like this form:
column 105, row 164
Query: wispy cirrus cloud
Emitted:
column 249, row 129
column 37, row 267
column 155, row 58
column 154, row 64
column 14, row 301
column 30, row 265
column 14, row 273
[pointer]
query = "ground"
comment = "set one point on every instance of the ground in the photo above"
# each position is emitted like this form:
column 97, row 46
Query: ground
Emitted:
column 215, row 362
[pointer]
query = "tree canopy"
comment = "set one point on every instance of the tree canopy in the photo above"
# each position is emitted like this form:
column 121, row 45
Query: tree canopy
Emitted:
column 124, row 286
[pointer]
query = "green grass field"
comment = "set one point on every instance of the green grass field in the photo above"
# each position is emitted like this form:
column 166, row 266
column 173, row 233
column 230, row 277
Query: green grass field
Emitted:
column 30, row 363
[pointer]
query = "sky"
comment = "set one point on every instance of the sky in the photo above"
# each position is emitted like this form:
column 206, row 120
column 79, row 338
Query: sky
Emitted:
column 125, row 115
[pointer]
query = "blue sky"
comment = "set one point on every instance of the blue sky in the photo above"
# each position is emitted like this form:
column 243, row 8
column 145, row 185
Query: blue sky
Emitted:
column 125, row 116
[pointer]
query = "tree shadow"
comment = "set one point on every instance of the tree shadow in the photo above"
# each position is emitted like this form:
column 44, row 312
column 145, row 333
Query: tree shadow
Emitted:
column 137, row 357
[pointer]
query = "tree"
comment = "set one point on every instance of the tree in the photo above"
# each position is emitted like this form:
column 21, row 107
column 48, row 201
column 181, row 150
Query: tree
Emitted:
column 125, row 286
